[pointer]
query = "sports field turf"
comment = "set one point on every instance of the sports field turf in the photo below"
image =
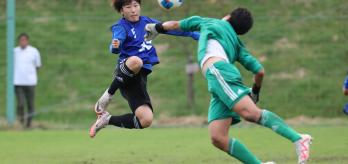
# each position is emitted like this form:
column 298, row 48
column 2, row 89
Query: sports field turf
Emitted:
column 162, row 145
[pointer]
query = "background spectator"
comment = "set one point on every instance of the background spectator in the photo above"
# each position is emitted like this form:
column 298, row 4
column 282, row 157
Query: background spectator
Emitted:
column 27, row 62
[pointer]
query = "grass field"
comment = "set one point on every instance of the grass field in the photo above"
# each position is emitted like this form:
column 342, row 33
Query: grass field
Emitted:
column 163, row 145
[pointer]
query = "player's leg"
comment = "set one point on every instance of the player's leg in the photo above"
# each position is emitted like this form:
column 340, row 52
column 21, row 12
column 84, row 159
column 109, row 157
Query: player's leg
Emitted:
column 139, row 102
column 246, row 108
column 226, row 84
column 142, row 118
column 218, row 130
column 124, row 72
column 30, row 97
column 220, row 118
column 20, row 103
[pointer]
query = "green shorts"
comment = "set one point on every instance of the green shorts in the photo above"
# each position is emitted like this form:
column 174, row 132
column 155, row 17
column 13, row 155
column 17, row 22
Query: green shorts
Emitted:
column 226, row 88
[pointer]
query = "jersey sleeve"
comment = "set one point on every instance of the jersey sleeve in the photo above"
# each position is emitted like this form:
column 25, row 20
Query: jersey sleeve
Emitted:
column 248, row 61
column 118, row 33
column 191, row 24
column 193, row 35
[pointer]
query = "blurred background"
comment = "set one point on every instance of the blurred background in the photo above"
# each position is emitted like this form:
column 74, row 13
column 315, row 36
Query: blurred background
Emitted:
column 301, row 43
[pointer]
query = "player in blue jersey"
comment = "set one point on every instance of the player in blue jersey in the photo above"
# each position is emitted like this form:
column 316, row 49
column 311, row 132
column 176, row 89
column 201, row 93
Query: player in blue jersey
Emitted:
column 345, row 92
column 136, row 59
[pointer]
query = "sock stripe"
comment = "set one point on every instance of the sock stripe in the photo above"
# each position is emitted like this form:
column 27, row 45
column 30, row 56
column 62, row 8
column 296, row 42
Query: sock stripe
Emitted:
column 136, row 124
column 232, row 141
column 264, row 118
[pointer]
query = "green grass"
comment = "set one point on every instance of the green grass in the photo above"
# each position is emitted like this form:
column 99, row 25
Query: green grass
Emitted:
column 292, row 36
column 163, row 145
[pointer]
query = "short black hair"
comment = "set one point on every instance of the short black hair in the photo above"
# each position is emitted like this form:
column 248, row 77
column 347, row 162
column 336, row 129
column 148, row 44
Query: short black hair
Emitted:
column 23, row 34
column 118, row 4
column 241, row 20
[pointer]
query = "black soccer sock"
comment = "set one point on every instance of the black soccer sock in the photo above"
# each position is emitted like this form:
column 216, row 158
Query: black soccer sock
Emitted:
column 122, row 76
column 129, row 121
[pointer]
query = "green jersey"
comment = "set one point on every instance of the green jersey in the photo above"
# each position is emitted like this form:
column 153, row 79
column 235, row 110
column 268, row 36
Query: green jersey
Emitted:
column 223, row 32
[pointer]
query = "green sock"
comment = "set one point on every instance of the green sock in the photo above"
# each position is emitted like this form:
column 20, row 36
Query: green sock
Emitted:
column 239, row 151
column 273, row 121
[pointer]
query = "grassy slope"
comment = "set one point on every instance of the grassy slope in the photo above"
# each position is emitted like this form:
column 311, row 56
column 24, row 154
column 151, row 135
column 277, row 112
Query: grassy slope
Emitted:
column 303, row 44
column 173, row 145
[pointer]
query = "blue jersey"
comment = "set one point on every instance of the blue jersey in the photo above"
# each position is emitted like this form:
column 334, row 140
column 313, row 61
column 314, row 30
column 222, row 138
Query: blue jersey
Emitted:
column 345, row 85
column 131, row 36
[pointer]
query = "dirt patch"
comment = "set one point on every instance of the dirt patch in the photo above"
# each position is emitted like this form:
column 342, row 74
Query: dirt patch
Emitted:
column 284, row 43
column 298, row 74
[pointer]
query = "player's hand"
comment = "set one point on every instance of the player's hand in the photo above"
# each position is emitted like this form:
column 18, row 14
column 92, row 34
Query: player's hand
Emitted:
column 255, row 93
column 115, row 43
column 151, row 31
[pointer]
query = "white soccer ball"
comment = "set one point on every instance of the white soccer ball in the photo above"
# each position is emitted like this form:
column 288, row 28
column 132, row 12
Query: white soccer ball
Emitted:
column 170, row 4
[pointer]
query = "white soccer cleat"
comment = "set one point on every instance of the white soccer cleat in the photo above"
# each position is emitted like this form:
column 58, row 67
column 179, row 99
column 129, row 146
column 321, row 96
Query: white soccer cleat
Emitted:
column 271, row 162
column 102, row 122
column 102, row 103
column 302, row 148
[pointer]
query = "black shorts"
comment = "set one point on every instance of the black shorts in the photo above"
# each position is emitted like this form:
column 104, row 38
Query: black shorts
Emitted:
column 135, row 91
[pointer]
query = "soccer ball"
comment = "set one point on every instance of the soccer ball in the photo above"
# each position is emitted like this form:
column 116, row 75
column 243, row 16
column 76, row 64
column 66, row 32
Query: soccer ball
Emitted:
column 170, row 4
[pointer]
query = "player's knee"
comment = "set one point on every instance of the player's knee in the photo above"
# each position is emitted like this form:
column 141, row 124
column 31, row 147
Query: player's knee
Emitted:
column 217, row 141
column 145, row 116
column 134, row 63
column 146, row 122
column 252, row 116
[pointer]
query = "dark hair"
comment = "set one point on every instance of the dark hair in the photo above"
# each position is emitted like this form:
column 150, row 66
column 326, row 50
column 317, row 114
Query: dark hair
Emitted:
column 118, row 4
column 241, row 20
column 23, row 35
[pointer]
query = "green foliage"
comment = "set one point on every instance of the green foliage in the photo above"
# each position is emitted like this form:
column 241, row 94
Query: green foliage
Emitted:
column 303, row 46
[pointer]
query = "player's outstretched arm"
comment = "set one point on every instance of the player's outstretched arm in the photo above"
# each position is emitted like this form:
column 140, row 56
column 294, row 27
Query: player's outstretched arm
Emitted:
column 169, row 27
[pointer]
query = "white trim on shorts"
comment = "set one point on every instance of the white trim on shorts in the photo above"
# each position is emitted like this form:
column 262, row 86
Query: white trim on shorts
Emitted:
column 227, row 89
column 214, row 49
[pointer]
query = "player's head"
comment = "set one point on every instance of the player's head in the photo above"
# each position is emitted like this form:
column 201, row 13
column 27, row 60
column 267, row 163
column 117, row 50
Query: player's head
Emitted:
column 241, row 20
column 130, row 9
column 23, row 40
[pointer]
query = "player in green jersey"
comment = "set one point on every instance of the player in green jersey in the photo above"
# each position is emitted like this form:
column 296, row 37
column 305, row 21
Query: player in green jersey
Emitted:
column 219, row 48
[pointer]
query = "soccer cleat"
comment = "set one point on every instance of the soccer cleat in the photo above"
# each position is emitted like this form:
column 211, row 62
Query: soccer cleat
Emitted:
column 302, row 148
column 271, row 162
column 102, row 103
column 102, row 121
